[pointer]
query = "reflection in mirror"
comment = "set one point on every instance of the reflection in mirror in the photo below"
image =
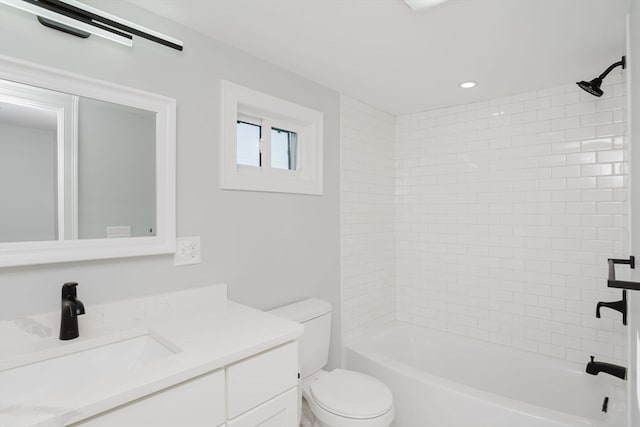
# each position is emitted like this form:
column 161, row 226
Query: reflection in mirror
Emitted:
column 116, row 170
column 74, row 167
column 28, row 145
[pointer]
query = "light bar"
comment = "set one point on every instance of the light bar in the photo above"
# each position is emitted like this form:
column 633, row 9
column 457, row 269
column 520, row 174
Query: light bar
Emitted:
column 70, row 22
column 74, row 14
column 124, row 22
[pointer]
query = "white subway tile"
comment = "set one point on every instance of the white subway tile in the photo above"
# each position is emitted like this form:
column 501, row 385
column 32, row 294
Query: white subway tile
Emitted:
column 597, row 169
column 537, row 103
column 551, row 113
column 580, row 133
column 597, row 144
column 503, row 215
column 538, row 335
column 597, row 220
column 581, row 158
column 605, row 195
column 566, row 171
column 611, row 104
column 527, row 117
column 552, row 350
column 565, row 123
column 565, row 99
column 581, row 183
column 612, row 208
column 368, row 204
column 602, row 118
column 607, row 130
column 580, row 108
column 619, row 116
column 566, row 147
column 566, row 341
column 611, row 156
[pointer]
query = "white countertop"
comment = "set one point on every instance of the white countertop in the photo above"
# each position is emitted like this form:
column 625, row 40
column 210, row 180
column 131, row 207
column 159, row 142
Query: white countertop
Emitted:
column 206, row 329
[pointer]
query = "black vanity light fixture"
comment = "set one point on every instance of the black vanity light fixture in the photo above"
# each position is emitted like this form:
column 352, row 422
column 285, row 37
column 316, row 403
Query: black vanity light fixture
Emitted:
column 593, row 86
column 74, row 17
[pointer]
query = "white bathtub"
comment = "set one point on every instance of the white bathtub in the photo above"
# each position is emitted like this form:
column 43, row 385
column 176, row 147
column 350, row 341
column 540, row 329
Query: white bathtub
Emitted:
column 444, row 380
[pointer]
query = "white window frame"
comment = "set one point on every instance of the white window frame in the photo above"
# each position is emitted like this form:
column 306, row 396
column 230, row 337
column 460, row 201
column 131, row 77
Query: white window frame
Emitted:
column 240, row 103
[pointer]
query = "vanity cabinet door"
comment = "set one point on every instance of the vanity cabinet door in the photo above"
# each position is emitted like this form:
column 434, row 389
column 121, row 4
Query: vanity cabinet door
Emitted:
column 257, row 379
column 199, row 402
column 281, row 411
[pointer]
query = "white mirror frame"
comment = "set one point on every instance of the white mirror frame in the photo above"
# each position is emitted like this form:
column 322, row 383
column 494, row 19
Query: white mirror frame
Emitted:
column 29, row 253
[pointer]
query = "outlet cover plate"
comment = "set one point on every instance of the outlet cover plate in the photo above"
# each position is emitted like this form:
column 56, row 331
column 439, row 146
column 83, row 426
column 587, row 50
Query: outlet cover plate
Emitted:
column 187, row 251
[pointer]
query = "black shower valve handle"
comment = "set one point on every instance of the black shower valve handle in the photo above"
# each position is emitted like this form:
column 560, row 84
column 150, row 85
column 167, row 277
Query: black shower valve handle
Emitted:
column 620, row 306
column 621, row 284
column 631, row 262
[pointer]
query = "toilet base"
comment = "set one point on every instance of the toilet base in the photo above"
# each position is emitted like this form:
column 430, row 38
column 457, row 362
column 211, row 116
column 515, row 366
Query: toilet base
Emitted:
column 307, row 419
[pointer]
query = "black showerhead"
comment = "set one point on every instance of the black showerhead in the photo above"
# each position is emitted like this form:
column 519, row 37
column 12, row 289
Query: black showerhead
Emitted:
column 593, row 87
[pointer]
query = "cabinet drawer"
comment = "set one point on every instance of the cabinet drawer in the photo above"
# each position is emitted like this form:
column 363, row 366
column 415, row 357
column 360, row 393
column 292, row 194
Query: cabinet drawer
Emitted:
column 197, row 402
column 281, row 411
column 259, row 378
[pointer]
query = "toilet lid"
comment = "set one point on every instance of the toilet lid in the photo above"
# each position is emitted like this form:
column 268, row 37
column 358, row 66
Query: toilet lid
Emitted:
column 351, row 394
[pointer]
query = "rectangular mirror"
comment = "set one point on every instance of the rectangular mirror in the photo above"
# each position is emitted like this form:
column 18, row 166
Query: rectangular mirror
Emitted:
column 116, row 171
column 87, row 168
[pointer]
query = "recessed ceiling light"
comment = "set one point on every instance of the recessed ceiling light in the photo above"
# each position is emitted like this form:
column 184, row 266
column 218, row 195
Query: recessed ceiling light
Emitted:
column 423, row 4
column 468, row 85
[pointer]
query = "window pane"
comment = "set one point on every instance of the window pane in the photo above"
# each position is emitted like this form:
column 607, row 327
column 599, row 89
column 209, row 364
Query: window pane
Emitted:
column 284, row 149
column 248, row 144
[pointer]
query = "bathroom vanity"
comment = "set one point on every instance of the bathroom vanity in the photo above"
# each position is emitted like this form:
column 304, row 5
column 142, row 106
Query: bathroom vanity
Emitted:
column 189, row 358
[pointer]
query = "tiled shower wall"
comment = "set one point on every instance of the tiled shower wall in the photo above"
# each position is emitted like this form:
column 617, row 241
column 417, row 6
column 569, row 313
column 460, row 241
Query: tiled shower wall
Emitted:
column 506, row 212
column 367, row 217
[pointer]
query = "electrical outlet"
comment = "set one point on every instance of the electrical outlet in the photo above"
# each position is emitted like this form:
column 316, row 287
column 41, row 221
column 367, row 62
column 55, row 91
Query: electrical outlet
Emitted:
column 187, row 251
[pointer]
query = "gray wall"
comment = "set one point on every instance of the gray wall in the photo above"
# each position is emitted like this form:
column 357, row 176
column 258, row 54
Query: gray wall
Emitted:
column 116, row 169
column 27, row 184
column 634, row 297
column 270, row 248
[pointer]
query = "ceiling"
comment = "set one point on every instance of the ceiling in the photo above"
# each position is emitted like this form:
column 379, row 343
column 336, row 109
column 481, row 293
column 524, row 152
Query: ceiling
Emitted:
column 402, row 61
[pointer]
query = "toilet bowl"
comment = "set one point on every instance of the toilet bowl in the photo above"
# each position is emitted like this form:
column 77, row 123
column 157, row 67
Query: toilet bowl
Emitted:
column 342, row 398
column 339, row 398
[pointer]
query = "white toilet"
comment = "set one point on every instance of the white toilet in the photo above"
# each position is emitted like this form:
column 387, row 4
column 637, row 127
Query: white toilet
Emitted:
column 339, row 398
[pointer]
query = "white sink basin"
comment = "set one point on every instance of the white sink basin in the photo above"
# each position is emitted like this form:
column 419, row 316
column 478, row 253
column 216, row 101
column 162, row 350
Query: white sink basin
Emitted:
column 78, row 369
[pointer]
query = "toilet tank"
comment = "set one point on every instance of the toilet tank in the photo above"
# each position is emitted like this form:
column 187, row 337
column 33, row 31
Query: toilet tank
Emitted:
column 313, row 345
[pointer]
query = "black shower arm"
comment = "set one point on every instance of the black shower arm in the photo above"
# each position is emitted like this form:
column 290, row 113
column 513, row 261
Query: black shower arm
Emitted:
column 622, row 62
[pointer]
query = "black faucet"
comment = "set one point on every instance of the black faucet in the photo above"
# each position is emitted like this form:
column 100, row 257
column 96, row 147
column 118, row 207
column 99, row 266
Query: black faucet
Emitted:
column 72, row 307
column 620, row 306
column 594, row 368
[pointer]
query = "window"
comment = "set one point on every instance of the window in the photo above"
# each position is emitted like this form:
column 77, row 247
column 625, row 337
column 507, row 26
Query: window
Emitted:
column 284, row 149
column 269, row 144
column 248, row 139
column 283, row 143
